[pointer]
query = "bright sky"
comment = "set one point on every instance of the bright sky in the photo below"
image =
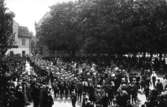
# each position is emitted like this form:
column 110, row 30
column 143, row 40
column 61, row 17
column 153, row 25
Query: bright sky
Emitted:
column 27, row 12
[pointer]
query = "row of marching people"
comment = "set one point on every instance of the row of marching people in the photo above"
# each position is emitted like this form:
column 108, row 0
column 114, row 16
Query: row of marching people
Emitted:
column 113, row 92
column 102, row 87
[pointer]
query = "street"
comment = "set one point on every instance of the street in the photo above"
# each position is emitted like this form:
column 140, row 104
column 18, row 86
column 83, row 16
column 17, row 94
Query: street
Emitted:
column 67, row 103
column 60, row 103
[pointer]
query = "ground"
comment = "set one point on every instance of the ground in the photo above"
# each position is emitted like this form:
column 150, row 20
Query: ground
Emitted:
column 67, row 103
column 61, row 103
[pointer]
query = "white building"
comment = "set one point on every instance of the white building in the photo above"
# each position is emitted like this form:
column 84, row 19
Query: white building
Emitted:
column 22, row 40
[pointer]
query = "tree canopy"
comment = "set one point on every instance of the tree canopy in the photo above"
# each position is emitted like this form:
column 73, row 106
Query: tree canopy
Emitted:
column 6, row 30
column 106, row 26
column 6, row 22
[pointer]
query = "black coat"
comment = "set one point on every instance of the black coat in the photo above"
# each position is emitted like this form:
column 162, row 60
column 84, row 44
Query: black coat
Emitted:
column 19, row 101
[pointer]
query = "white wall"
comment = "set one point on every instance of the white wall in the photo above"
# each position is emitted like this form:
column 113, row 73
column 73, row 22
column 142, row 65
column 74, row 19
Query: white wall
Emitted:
column 19, row 51
column 18, row 42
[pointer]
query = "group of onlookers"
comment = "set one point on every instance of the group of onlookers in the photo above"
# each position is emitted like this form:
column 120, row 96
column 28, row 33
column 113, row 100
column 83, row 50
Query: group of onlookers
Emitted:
column 88, row 83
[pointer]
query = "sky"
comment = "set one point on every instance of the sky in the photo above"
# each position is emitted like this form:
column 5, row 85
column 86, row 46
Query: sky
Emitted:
column 27, row 12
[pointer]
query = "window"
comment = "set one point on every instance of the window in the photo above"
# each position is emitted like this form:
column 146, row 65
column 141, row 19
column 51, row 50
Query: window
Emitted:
column 23, row 42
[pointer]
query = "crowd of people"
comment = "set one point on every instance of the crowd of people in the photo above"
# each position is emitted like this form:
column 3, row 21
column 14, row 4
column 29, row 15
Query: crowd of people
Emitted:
column 19, row 87
column 90, row 84
column 93, row 84
column 11, row 81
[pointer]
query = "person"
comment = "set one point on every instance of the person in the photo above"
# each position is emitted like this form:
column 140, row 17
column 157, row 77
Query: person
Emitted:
column 66, row 89
column 134, row 92
column 35, row 93
column 43, row 96
column 105, row 100
column 129, row 104
column 89, row 104
column 159, row 86
column 91, row 92
column 79, row 90
column 122, row 98
column 153, row 98
column 85, row 98
column 153, row 77
column 73, row 98
column 61, row 87
column 55, row 88
column 164, row 82
column 110, row 90
column 147, row 91
column 20, row 100
column 50, row 99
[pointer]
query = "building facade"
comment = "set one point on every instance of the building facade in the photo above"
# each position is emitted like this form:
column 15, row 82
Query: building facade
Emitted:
column 22, row 40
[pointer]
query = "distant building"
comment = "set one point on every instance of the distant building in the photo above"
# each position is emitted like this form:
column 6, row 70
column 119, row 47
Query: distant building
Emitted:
column 22, row 40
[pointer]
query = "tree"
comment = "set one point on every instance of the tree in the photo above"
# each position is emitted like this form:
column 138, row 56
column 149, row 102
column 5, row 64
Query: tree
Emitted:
column 107, row 26
column 6, row 21
column 59, row 32
column 5, row 37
